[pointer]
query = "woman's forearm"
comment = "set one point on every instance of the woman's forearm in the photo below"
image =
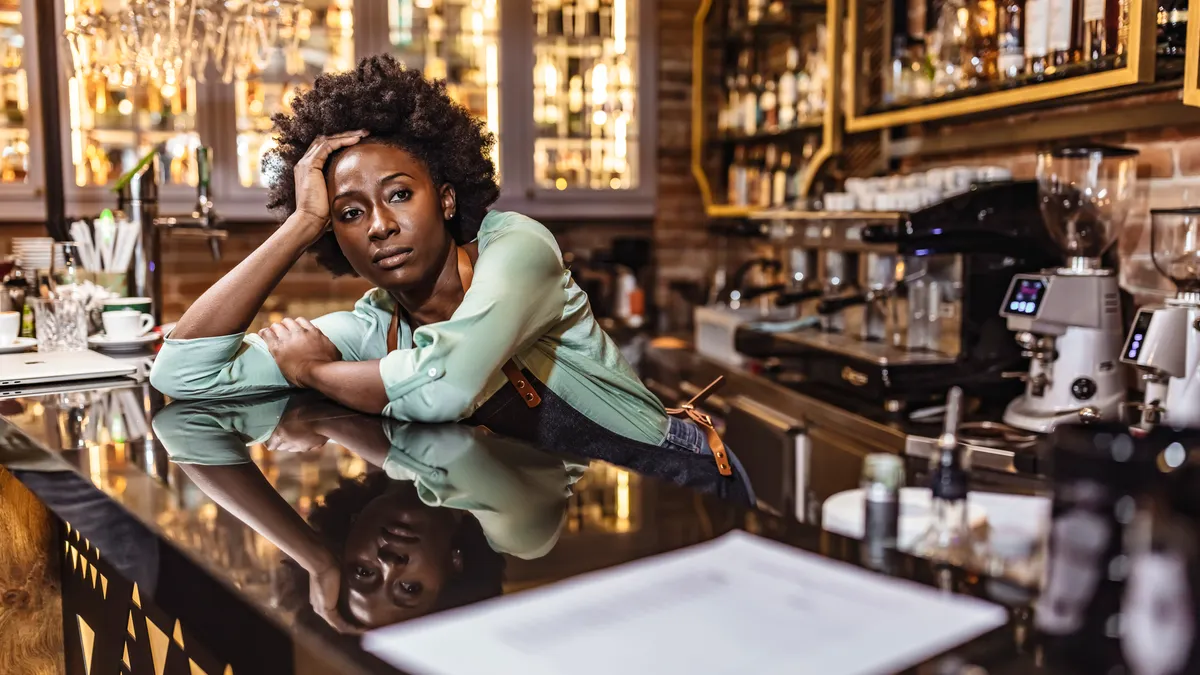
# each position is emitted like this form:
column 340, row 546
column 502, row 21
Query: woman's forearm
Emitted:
column 230, row 305
column 354, row 384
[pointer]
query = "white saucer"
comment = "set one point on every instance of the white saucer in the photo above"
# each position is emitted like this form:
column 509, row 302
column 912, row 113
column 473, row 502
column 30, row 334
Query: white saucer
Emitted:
column 22, row 344
column 102, row 342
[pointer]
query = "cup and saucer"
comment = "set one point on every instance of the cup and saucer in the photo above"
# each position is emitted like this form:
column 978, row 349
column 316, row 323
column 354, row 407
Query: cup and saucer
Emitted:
column 10, row 329
column 126, row 329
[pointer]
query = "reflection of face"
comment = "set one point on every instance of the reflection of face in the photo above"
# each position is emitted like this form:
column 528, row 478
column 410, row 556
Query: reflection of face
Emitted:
column 383, row 202
column 398, row 558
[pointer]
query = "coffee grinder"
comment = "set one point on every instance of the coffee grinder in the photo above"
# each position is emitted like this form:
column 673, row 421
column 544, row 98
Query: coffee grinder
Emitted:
column 1164, row 342
column 1068, row 320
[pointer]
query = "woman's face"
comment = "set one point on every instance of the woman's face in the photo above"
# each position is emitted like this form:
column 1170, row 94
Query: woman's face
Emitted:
column 388, row 215
column 398, row 559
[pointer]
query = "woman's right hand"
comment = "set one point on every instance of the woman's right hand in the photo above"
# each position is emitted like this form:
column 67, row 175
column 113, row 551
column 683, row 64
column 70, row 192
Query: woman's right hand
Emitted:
column 312, row 199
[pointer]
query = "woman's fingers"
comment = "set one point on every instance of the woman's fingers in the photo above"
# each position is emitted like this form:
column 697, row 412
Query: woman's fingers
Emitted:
column 291, row 325
column 323, row 146
column 305, row 324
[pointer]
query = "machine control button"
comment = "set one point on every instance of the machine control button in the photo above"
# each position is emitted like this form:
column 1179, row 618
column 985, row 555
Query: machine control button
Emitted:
column 1083, row 389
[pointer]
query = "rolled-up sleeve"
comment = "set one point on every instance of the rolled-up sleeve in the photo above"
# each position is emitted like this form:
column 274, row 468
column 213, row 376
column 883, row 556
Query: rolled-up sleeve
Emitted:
column 240, row 364
column 516, row 295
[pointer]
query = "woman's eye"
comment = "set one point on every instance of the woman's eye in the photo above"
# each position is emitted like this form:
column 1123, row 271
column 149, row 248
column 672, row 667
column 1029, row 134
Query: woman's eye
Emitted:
column 401, row 196
column 351, row 214
column 411, row 589
column 364, row 573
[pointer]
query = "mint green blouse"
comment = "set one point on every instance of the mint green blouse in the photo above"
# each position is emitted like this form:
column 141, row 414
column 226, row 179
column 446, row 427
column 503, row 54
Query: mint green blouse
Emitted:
column 522, row 304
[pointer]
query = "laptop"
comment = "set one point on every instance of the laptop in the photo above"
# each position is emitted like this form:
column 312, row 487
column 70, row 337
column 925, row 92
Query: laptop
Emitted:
column 40, row 367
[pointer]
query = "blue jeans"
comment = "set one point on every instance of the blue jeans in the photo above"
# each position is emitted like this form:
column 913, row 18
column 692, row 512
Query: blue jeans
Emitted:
column 686, row 435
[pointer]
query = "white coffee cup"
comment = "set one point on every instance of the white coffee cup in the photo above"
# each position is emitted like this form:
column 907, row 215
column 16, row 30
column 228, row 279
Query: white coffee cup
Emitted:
column 126, row 324
column 10, row 327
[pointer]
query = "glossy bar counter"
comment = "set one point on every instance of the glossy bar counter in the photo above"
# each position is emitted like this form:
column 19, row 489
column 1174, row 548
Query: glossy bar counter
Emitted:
column 173, row 521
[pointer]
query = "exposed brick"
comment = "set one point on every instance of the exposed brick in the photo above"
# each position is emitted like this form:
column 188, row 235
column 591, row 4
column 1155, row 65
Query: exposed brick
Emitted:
column 1189, row 156
column 1157, row 160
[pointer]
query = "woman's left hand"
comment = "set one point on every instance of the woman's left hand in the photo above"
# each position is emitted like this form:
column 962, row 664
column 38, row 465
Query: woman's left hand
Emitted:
column 297, row 346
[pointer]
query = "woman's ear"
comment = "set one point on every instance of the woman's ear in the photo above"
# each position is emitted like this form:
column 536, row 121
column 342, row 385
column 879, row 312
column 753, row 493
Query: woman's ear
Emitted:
column 449, row 203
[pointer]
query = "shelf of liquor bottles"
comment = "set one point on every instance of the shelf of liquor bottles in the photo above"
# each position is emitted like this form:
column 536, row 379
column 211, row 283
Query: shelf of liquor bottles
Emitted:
column 763, row 82
column 1191, row 75
column 938, row 59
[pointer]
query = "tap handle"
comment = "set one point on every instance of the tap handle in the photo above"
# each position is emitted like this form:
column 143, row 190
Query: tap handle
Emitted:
column 204, row 165
column 836, row 304
column 792, row 297
column 954, row 411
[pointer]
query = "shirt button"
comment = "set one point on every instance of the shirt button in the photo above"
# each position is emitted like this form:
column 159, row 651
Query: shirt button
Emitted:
column 433, row 372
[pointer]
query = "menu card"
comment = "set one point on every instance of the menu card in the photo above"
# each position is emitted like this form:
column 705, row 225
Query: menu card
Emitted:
column 737, row 604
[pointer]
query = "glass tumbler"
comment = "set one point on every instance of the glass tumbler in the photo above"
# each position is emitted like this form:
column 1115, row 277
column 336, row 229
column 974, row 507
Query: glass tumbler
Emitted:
column 61, row 324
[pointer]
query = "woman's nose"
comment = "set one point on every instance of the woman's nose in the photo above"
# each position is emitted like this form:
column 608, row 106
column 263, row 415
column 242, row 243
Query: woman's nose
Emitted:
column 383, row 224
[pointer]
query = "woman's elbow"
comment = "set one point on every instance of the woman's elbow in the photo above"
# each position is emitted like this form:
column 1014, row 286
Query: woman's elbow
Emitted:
column 439, row 406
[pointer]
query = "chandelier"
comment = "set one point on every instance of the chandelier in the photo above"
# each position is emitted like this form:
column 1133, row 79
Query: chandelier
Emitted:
column 167, row 42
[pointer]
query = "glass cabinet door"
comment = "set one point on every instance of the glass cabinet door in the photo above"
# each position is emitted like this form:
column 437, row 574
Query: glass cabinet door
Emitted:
column 116, row 117
column 14, row 96
column 585, row 94
column 323, row 43
column 455, row 41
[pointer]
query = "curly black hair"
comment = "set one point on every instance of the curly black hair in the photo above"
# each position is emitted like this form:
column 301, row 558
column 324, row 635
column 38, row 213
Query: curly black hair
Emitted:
column 397, row 106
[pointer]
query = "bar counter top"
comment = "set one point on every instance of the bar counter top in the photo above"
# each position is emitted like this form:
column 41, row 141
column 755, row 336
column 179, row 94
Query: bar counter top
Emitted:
column 186, row 528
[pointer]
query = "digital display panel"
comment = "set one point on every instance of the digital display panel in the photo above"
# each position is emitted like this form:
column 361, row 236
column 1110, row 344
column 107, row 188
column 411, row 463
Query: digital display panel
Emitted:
column 1026, row 296
column 1137, row 336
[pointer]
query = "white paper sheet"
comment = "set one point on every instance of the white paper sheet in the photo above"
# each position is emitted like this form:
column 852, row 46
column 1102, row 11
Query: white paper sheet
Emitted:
column 738, row 604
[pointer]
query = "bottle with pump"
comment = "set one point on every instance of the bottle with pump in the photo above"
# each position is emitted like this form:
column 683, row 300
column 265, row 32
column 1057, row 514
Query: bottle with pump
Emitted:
column 948, row 538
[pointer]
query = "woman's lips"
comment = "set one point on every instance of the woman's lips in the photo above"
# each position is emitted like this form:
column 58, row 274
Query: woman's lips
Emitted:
column 389, row 259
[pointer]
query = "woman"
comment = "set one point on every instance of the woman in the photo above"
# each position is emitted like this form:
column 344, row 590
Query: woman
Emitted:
column 382, row 175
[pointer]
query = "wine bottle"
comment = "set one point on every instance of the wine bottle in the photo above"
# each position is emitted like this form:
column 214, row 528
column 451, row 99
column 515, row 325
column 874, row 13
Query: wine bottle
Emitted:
column 1063, row 14
column 738, row 183
column 1095, row 40
column 1175, row 30
column 1010, row 39
column 779, row 179
column 1037, row 36
column 985, row 59
column 766, row 177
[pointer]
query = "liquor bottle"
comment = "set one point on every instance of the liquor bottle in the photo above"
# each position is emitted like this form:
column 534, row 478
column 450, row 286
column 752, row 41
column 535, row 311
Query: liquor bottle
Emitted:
column 770, row 107
column 754, row 11
column 592, row 22
column 754, row 164
column 766, row 177
column 751, row 107
column 606, row 18
column 1010, row 40
column 729, row 121
column 1175, row 30
column 950, row 48
column 1064, row 16
column 895, row 80
column 1037, row 36
column 1095, row 43
column 792, row 191
column 738, row 184
column 984, row 52
column 735, row 13
column 787, row 89
column 779, row 180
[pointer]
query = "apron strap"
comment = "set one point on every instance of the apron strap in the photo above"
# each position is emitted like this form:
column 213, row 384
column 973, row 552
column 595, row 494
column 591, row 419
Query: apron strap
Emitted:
column 466, row 272
column 688, row 411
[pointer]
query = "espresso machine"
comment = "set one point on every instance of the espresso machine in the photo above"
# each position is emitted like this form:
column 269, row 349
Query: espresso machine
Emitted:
column 1068, row 319
column 906, row 311
column 1164, row 342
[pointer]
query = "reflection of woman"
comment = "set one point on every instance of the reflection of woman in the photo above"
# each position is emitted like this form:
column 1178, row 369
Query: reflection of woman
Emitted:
column 420, row 536
column 383, row 176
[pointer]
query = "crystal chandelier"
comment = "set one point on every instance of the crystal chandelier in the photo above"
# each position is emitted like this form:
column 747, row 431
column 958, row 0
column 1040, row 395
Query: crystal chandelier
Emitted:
column 167, row 42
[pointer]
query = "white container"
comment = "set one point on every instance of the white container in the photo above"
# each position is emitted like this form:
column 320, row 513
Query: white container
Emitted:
column 716, row 328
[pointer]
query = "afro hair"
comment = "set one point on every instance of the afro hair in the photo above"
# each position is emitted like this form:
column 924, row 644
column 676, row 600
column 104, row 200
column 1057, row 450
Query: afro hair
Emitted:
column 398, row 106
